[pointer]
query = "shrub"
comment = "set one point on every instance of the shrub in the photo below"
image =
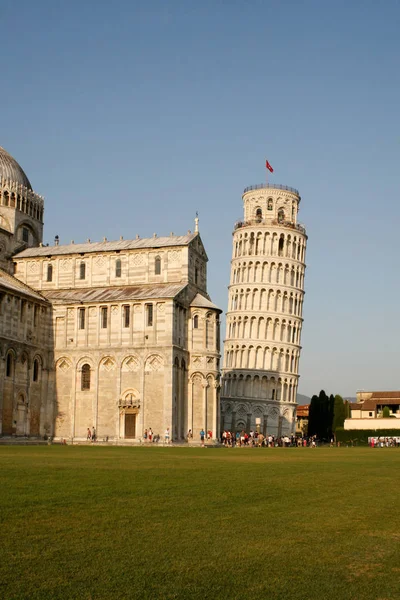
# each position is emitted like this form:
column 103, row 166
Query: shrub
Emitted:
column 360, row 436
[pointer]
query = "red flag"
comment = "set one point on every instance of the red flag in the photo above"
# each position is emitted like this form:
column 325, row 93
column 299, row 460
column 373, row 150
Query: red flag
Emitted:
column 269, row 166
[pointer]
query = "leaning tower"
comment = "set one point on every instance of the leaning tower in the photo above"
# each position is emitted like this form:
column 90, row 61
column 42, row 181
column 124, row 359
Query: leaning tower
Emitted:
column 264, row 317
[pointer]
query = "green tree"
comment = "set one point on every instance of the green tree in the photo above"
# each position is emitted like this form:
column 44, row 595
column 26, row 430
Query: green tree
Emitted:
column 313, row 416
column 347, row 409
column 323, row 428
column 339, row 413
column 320, row 416
column 386, row 412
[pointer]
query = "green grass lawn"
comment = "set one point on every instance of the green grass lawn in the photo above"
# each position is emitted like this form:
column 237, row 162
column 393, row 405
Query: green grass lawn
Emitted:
column 94, row 523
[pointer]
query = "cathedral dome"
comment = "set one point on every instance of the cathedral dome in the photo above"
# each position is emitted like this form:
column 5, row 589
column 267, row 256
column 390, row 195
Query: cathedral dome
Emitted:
column 10, row 169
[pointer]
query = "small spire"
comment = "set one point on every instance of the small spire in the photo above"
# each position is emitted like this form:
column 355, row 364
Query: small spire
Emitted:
column 196, row 223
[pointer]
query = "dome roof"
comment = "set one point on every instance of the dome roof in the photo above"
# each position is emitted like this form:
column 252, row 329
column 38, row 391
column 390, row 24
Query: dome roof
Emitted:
column 10, row 169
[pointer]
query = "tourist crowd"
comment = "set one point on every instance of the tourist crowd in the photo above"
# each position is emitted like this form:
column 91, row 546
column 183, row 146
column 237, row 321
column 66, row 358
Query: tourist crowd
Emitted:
column 242, row 438
column 384, row 442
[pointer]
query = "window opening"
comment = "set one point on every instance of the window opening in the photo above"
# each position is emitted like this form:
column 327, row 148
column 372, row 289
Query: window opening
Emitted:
column 82, row 270
column 82, row 315
column 49, row 272
column 104, row 315
column 9, row 365
column 127, row 315
column 196, row 322
column 270, row 205
column 35, row 369
column 85, row 377
column 25, row 234
column 157, row 266
column 118, row 268
column 149, row 311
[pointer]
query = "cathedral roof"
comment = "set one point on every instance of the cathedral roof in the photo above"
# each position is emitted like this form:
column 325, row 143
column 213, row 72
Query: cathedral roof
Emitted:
column 11, row 170
column 200, row 301
column 115, row 293
column 153, row 242
column 14, row 285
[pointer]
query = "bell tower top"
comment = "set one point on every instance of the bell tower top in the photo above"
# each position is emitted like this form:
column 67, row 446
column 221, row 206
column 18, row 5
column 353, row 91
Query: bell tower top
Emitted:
column 268, row 202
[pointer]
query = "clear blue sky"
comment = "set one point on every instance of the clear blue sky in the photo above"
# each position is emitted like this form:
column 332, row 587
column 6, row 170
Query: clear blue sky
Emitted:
column 130, row 116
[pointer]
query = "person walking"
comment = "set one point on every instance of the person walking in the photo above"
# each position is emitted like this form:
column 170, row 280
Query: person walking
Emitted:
column 202, row 436
column 88, row 435
column 93, row 434
column 166, row 436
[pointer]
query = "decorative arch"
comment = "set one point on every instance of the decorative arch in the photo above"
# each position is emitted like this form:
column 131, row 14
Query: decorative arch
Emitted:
column 64, row 363
column 154, row 362
column 107, row 363
column 129, row 398
column 82, row 361
column 130, row 362
column 37, row 368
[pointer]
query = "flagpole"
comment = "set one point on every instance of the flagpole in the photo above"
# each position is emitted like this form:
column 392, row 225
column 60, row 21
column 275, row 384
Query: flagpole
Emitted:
column 266, row 173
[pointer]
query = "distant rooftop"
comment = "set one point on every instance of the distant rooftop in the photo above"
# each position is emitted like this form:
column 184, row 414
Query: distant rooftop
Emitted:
column 272, row 186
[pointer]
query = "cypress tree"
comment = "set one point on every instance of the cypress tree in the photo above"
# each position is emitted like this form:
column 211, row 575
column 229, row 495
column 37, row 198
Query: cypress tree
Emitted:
column 339, row 413
column 347, row 409
column 331, row 412
column 324, row 417
column 313, row 416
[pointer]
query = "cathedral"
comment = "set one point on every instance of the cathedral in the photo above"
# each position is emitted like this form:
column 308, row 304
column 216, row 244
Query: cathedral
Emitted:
column 119, row 336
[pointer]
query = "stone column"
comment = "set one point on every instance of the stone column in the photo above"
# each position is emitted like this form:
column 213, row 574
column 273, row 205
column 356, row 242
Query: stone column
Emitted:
column 190, row 406
column 248, row 422
column 2, row 375
column 215, row 410
column 205, row 387
column 233, row 426
column 264, row 425
column 140, row 421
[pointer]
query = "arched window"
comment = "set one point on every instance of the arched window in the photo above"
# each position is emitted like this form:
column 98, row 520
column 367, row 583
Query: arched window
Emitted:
column 196, row 275
column 82, row 270
column 49, row 272
column 281, row 215
column 85, row 377
column 157, row 266
column 270, row 204
column 208, row 332
column 9, row 365
column 258, row 215
column 196, row 322
column 118, row 268
column 280, row 247
column 35, row 376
